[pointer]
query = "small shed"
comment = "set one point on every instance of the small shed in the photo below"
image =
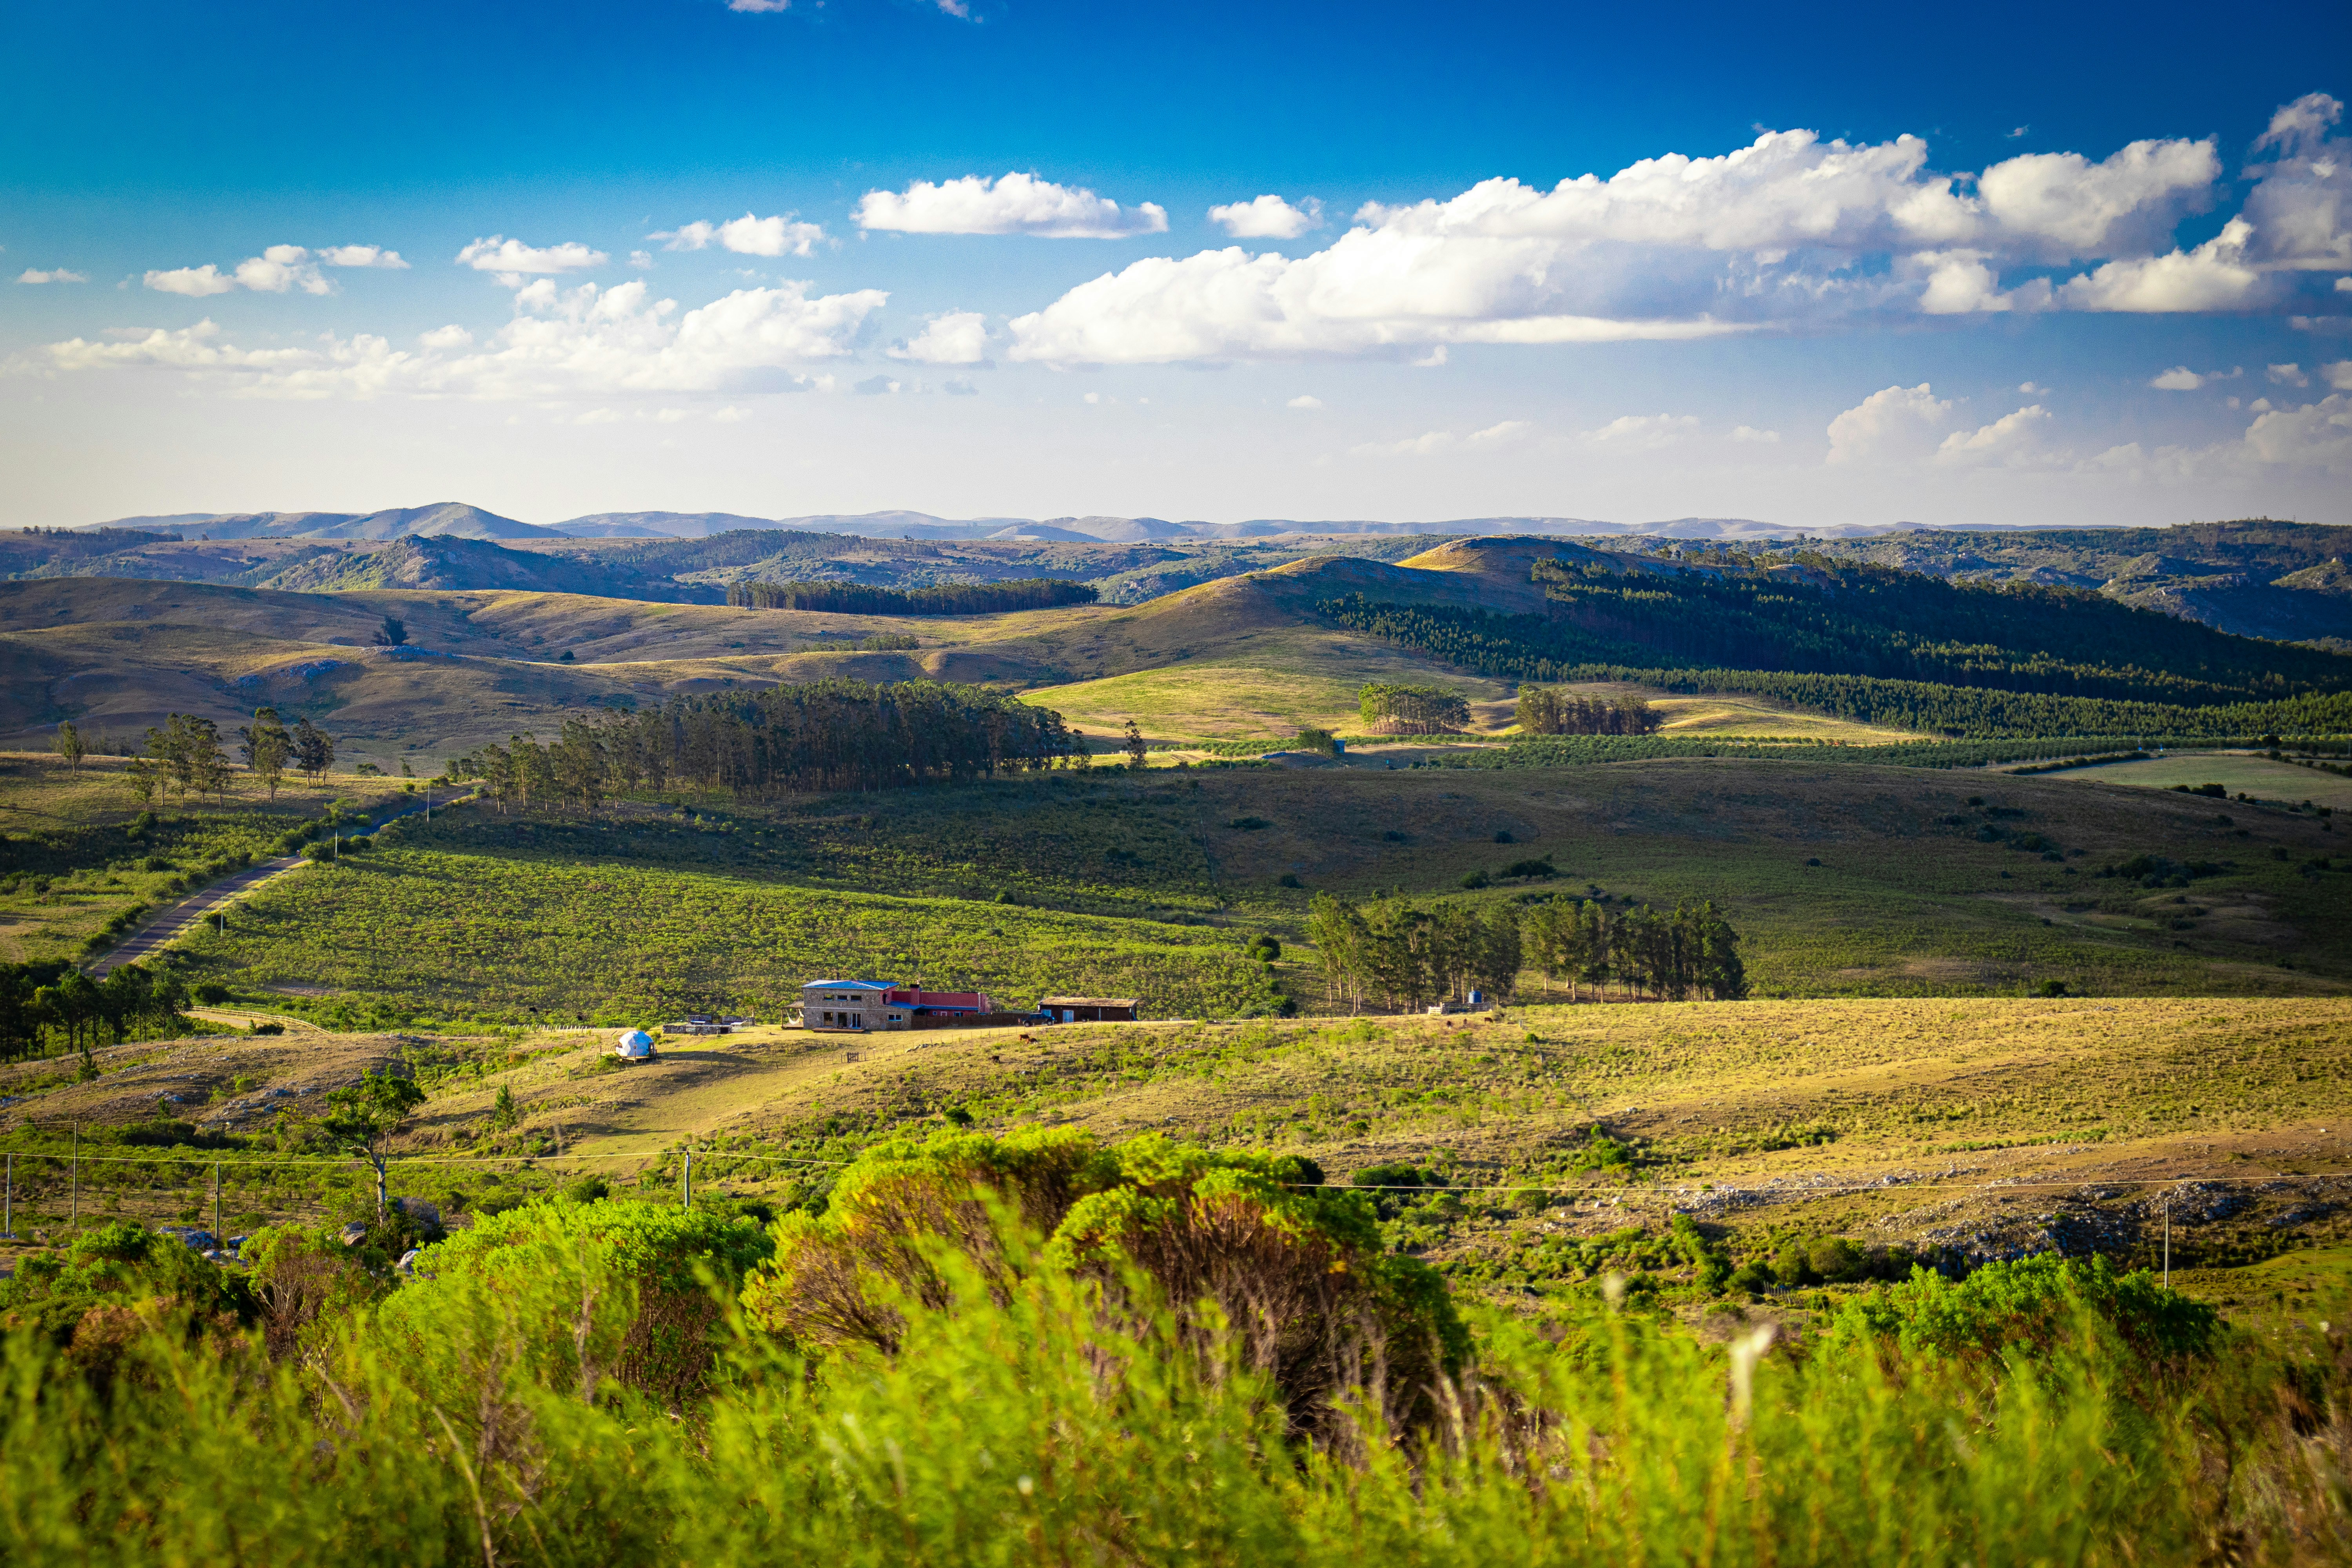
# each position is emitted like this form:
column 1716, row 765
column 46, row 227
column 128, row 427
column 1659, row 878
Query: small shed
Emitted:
column 635, row 1044
column 1091, row 1009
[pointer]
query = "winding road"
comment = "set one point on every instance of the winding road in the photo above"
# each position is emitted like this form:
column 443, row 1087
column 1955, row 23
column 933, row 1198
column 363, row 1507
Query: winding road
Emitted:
column 174, row 922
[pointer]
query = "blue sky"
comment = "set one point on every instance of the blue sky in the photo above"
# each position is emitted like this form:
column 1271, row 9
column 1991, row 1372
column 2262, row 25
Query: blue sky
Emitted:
column 1415, row 321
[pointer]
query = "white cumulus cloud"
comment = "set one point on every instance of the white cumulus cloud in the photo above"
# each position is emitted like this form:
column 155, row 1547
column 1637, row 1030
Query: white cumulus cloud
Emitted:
column 959, row 337
column 1642, row 432
column 278, row 269
column 1268, row 218
column 55, row 275
column 283, row 268
column 2012, row 438
column 1437, row 443
column 196, row 282
column 362, row 255
column 747, row 236
column 1371, row 291
column 1792, row 230
column 1009, row 204
column 2301, row 206
column 512, row 257
column 2317, row 435
column 2179, row 378
column 1896, row 422
column 1305, row 400
column 582, row 342
column 2216, row 276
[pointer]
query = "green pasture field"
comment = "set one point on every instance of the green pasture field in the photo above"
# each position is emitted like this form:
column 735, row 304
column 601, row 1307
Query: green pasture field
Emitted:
column 2285, row 782
column 1843, row 880
column 74, row 829
column 1908, row 896
column 422, row 933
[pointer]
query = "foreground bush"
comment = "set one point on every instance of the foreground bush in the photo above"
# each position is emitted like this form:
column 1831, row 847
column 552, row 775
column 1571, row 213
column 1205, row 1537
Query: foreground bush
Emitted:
column 1291, row 1277
column 1011, row 1404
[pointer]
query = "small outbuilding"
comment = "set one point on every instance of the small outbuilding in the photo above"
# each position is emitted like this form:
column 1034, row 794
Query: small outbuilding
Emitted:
column 635, row 1046
column 1091, row 1009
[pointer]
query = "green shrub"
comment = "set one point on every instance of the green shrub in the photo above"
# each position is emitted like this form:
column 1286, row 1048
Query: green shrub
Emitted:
column 638, row 1290
column 2034, row 1305
column 1151, row 1222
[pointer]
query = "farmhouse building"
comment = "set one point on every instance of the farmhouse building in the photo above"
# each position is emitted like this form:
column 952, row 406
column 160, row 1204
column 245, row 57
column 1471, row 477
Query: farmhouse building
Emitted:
column 1091, row 1009
column 859, row 1004
column 869, row 1005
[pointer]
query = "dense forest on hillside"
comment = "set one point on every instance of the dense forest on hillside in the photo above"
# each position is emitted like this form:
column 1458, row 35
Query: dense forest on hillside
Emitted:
column 1535, row 647
column 946, row 599
column 1826, row 618
column 820, row 735
column 2259, row 548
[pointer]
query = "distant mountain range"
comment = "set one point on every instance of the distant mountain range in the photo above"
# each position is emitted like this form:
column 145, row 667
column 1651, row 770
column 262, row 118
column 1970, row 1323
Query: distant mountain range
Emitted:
column 2285, row 582
column 458, row 519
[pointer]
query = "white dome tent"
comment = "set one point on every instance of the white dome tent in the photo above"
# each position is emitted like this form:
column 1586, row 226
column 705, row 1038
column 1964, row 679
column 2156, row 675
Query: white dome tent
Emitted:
column 635, row 1044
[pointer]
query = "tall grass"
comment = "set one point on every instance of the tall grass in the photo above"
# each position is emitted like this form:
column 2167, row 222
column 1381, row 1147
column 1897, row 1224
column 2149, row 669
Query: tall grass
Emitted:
column 528, row 1402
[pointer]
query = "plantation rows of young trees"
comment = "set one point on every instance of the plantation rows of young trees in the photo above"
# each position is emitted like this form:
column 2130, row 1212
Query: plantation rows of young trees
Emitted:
column 819, row 735
column 1392, row 709
column 1407, row 954
column 1546, row 711
column 946, row 599
column 1531, row 648
column 37, row 999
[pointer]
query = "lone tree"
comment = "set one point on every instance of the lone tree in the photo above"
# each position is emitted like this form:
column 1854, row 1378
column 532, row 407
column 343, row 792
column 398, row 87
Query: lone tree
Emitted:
column 314, row 753
column 1137, row 752
column 392, row 634
column 361, row 1119
column 268, row 748
column 70, row 745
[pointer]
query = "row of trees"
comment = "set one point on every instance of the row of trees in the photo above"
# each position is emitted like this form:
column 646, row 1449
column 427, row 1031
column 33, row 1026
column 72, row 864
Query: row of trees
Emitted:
column 946, row 599
column 1547, row 710
column 1407, row 954
column 185, row 755
column 1531, row 648
column 38, row 998
column 818, row 735
column 1393, row 710
column 1690, row 952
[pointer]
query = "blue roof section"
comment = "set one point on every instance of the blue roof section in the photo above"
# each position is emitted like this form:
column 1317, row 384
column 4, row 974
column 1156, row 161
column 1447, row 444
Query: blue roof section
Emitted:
column 851, row 984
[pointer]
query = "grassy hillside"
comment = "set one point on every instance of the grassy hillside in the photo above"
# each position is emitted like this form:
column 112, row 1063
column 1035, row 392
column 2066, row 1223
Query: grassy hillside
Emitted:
column 1980, row 1127
column 1255, row 656
column 78, row 852
column 1847, row 881
column 421, row 561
